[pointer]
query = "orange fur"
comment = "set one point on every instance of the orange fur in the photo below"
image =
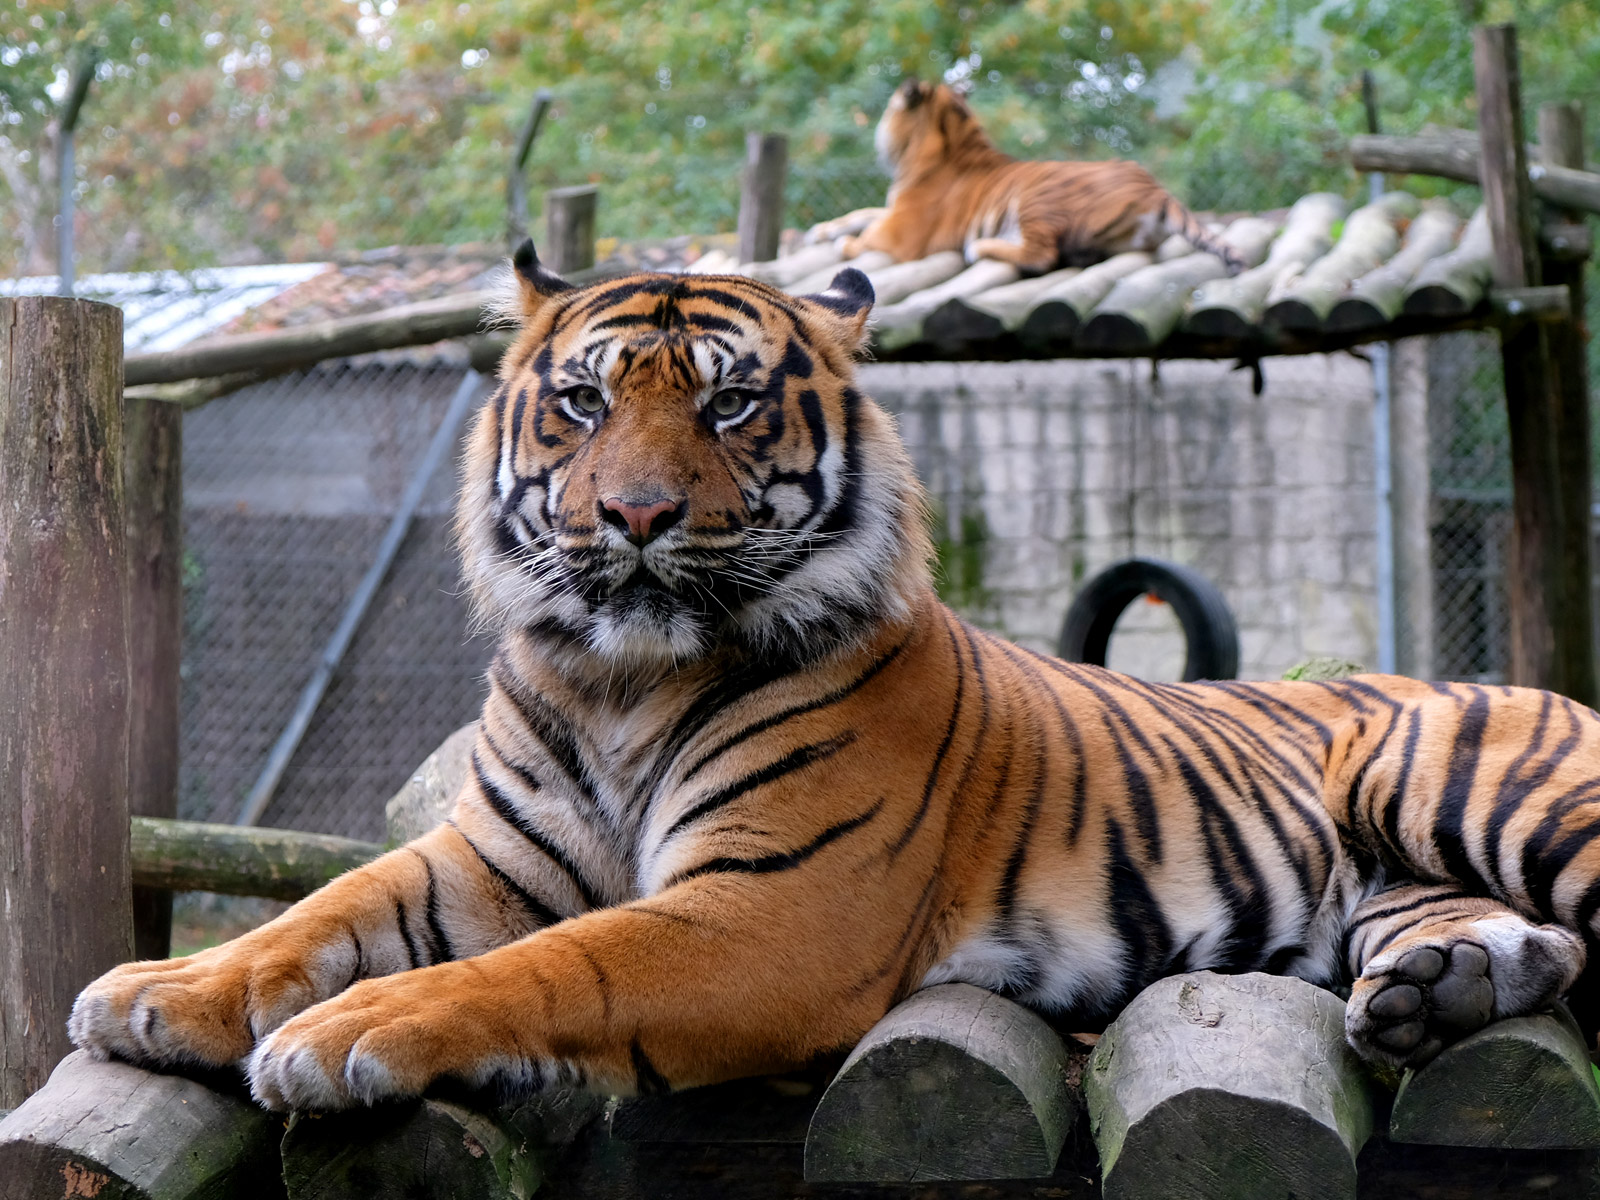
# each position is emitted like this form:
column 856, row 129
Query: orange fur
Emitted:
column 954, row 190
column 742, row 782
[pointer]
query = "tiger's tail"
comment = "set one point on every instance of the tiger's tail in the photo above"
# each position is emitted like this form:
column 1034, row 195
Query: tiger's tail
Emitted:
column 1175, row 218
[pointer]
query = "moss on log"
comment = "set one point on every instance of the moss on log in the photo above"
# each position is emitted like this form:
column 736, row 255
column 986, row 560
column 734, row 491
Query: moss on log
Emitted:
column 1370, row 238
column 1454, row 284
column 281, row 864
column 1232, row 308
column 111, row 1131
column 1518, row 1084
column 955, row 1083
column 1378, row 296
column 1228, row 1085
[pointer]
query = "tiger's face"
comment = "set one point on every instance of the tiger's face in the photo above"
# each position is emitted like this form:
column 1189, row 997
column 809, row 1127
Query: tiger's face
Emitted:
column 921, row 125
column 675, row 463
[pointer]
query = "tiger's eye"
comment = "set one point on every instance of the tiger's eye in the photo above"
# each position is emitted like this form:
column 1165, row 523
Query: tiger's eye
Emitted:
column 587, row 399
column 729, row 403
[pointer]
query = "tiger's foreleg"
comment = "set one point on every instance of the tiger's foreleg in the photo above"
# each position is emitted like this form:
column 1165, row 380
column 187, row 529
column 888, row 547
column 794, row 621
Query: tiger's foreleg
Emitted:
column 1432, row 964
column 718, row 977
column 389, row 916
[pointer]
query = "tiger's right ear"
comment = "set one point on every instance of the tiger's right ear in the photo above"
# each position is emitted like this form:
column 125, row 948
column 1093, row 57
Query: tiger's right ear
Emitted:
column 535, row 285
column 845, row 307
column 915, row 92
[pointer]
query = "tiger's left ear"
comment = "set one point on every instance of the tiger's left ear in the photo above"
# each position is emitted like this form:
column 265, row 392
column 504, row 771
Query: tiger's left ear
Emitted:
column 535, row 285
column 844, row 307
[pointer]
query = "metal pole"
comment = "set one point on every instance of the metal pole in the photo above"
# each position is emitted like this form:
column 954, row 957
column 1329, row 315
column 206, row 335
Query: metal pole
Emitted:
column 444, row 438
column 66, row 170
column 1382, row 461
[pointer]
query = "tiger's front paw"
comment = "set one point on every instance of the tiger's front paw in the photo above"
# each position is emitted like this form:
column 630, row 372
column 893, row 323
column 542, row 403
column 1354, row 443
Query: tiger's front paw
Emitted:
column 205, row 1010
column 385, row 1039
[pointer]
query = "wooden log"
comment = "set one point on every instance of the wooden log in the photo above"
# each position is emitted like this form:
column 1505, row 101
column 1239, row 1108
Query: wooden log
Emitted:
column 898, row 281
column 569, row 227
column 1454, row 154
column 65, row 674
column 1454, row 284
column 1011, row 303
column 849, row 225
column 238, row 860
column 1547, row 304
column 1144, row 308
column 818, row 281
column 964, row 322
column 111, row 1131
column 1377, row 297
column 152, row 476
column 431, row 1147
column 766, row 162
column 1538, row 585
column 426, row 799
column 808, row 260
column 955, row 1083
column 898, row 325
column 1062, row 309
column 1236, row 1085
column 1518, row 1084
column 1561, row 144
column 1370, row 238
column 1232, row 308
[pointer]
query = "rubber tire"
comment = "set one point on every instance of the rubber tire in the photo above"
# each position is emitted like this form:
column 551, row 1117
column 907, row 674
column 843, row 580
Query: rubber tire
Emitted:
column 1210, row 634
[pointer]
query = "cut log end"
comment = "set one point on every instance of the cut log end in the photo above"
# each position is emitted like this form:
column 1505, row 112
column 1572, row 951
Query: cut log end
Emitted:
column 1519, row 1084
column 956, row 1083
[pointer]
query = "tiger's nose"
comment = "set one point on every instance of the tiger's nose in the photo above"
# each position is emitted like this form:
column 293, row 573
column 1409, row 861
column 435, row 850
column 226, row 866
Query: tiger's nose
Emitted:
column 642, row 522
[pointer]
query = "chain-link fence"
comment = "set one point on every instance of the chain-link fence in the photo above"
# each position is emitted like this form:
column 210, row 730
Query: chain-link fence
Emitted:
column 288, row 489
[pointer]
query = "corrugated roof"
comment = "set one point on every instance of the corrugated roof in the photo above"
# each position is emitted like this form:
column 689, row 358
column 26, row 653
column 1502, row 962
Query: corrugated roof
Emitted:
column 166, row 309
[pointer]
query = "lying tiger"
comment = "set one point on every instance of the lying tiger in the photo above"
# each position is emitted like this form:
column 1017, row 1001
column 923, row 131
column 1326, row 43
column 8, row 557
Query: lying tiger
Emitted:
column 743, row 783
column 953, row 189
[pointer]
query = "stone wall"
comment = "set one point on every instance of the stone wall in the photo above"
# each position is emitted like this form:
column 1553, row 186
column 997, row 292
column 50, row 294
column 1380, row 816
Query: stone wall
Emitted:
column 1045, row 473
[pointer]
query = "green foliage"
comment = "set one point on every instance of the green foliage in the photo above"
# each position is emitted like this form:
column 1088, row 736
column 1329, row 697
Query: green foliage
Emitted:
column 295, row 129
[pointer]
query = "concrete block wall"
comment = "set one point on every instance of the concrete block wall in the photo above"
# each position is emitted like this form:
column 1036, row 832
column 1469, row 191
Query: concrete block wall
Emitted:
column 1045, row 473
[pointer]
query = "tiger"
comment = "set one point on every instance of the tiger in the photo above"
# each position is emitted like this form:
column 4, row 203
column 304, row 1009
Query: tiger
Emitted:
column 742, row 783
column 953, row 189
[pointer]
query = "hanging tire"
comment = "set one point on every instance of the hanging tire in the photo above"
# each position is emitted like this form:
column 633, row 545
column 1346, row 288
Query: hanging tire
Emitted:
column 1210, row 634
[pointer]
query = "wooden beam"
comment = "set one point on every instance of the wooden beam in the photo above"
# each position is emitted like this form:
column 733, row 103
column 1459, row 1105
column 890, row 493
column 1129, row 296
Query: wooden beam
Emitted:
column 153, row 476
column 1561, row 145
column 1370, row 238
column 1453, row 154
column 64, row 674
column 1145, row 307
column 1454, row 284
column 766, row 162
column 280, row 864
column 955, row 1083
column 1540, row 622
column 1232, row 308
column 1239, row 1085
column 569, row 227
column 1376, row 298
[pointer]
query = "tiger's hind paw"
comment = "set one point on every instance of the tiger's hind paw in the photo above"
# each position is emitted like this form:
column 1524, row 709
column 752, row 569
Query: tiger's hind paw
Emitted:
column 1426, row 992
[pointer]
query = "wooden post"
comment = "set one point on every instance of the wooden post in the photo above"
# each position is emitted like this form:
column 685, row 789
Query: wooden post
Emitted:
column 569, row 227
column 1540, row 623
column 152, row 466
column 64, row 674
column 1561, row 145
column 955, row 1083
column 766, row 161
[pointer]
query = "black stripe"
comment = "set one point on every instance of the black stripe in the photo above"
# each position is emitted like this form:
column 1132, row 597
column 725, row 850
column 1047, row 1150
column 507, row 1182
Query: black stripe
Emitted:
column 932, row 781
column 778, row 718
column 1518, row 785
column 647, row 1080
column 441, row 949
column 549, row 726
column 1448, row 833
column 535, row 907
column 1391, row 812
column 1137, row 916
column 508, row 812
column 783, row 860
column 406, row 934
column 796, row 760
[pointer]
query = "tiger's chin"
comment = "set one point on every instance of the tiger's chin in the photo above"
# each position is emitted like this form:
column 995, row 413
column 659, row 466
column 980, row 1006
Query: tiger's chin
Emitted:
column 649, row 628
